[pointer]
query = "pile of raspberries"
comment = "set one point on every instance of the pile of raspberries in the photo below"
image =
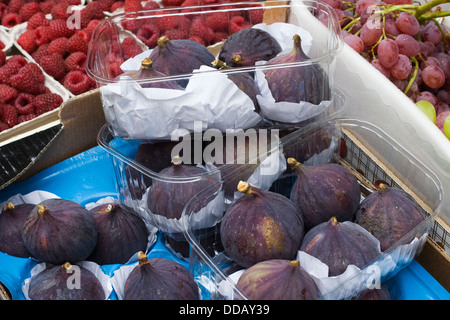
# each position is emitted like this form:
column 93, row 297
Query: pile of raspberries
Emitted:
column 23, row 92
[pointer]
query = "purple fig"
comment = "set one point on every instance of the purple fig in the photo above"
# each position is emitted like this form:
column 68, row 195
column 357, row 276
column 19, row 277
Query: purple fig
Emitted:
column 179, row 57
column 389, row 214
column 59, row 230
column 339, row 245
column 277, row 279
column 243, row 80
column 12, row 220
column 381, row 293
column 324, row 191
column 168, row 198
column 52, row 284
column 261, row 225
column 247, row 46
column 121, row 233
column 160, row 279
column 296, row 82
column 148, row 77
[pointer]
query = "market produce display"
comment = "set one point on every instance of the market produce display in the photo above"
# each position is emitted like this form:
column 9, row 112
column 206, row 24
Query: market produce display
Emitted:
column 407, row 42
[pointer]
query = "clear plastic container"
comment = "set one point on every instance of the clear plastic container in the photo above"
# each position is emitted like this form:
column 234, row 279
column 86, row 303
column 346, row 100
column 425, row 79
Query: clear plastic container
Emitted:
column 208, row 96
column 391, row 163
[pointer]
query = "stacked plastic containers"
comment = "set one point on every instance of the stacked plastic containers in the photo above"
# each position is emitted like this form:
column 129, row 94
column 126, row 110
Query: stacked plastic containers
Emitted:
column 182, row 141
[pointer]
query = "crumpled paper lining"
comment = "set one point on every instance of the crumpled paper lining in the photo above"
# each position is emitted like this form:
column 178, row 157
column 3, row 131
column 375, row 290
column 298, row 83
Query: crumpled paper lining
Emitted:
column 353, row 280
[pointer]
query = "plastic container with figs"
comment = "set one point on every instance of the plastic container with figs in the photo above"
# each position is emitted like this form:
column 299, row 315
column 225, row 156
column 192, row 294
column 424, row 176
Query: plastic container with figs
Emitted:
column 208, row 96
column 391, row 164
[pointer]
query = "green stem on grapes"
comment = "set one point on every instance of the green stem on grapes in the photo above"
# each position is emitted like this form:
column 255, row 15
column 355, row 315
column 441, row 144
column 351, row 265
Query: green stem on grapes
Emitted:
column 444, row 38
column 414, row 75
column 432, row 15
column 422, row 9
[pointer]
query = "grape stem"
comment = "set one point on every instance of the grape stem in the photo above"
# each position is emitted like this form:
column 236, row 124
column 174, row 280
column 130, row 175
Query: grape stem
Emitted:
column 416, row 68
column 424, row 8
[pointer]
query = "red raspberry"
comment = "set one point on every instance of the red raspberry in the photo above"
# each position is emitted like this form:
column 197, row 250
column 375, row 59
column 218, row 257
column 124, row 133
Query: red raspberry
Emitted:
column 220, row 36
column 9, row 115
column 2, row 57
column 59, row 28
column 197, row 39
column 11, row 19
column 28, row 10
column 46, row 102
column 27, row 80
column 15, row 5
column 26, row 117
column 165, row 22
column 54, row 65
column 24, row 103
column 132, row 5
column 2, row 45
column 38, row 19
column 59, row 10
column 148, row 34
column 94, row 10
column 255, row 16
column 117, row 5
column 3, row 126
column 17, row 59
column 150, row 5
column 218, row 21
column 46, row 6
column 7, row 93
column 27, row 41
column 33, row 69
column 200, row 29
column 238, row 23
column 58, row 45
column 105, row 5
column 171, row 3
column 41, row 35
column 130, row 48
column 92, row 25
column 77, row 44
column 83, row 34
column 40, row 52
column 75, row 61
column 77, row 82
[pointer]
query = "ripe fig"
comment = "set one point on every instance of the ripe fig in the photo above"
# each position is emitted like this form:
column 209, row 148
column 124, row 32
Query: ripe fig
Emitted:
column 324, row 191
column 160, row 279
column 12, row 219
column 277, row 279
column 389, row 214
column 146, row 73
column 306, row 82
column 52, row 284
column 59, row 231
column 179, row 57
column 247, row 46
column 168, row 198
column 121, row 233
column 243, row 80
column 381, row 293
column 340, row 244
column 261, row 225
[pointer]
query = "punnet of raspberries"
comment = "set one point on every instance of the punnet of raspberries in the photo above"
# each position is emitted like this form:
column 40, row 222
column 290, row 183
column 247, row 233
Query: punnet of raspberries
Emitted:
column 23, row 93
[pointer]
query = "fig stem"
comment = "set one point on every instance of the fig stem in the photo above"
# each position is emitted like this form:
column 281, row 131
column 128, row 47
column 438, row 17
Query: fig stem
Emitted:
column 9, row 206
column 219, row 64
column 294, row 263
column 244, row 187
column 293, row 163
column 176, row 160
column 67, row 267
column 146, row 63
column 382, row 187
column 237, row 59
column 142, row 258
column 334, row 221
column 41, row 209
column 162, row 41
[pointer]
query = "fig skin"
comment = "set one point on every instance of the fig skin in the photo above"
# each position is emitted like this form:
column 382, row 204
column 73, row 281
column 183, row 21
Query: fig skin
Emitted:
column 160, row 279
column 121, row 233
column 243, row 80
column 59, row 230
column 244, row 47
column 261, row 225
column 296, row 83
column 277, row 279
column 51, row 284
column 339, row 245
column 324, row 191
column 168, row 198
column 146, row 73
column 388, row 214
column 381, row 293
column 12, row 219
column 179, row 57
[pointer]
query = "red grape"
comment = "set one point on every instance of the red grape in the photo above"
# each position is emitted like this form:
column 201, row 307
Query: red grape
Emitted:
column 407, row 45
column 407, row 23
column 354, row 42
column 433, row 76
column 402, row 67
column 387, row 52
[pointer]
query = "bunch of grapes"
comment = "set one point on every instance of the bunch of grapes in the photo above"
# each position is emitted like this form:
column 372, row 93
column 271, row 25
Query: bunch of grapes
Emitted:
column 406, row 42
